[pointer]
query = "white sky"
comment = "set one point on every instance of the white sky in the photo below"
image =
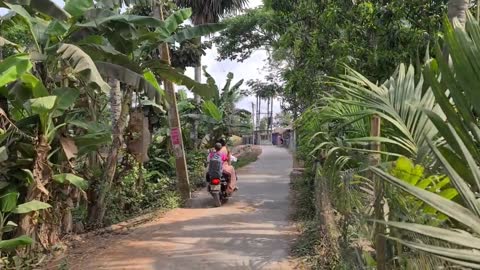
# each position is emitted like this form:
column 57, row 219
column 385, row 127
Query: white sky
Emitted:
column 252, row 68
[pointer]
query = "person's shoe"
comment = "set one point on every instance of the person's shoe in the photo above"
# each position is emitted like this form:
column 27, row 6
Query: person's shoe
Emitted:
column 236, row 189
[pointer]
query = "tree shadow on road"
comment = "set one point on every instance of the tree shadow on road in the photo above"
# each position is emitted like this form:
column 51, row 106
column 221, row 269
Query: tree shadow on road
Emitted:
column 217, row 242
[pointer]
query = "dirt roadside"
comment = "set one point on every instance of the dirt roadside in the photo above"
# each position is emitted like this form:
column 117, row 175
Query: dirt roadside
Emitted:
column 252, row 231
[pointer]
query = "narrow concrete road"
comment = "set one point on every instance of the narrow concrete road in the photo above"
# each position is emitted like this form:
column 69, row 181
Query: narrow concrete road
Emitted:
column 250, row 232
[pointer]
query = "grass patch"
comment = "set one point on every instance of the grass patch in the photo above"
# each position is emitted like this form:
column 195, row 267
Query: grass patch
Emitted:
column 311, row 247
column 247, row 157
column 303, row 213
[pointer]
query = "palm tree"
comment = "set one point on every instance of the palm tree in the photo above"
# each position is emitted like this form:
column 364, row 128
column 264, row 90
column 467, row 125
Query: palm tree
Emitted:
column 203, row 12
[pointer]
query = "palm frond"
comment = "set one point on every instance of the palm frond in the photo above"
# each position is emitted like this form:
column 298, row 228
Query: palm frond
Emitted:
column 400, row 102
column 210, row 11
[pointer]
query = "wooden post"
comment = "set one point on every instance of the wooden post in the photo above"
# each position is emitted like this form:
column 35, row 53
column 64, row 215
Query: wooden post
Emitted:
column 174, row 121
column 379, row 232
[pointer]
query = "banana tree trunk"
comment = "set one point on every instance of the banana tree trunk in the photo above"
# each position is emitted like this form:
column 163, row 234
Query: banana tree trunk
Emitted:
column 119, row 111
column 43, row 233
column 458, row 9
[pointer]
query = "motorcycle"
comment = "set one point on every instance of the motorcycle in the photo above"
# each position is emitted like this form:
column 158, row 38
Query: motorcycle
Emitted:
column 217, row 187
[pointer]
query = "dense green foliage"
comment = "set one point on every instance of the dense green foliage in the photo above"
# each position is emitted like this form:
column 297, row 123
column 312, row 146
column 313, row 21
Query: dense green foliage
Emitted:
column 309, row 40
column 428, row 206
column 339, row 64
column 85, row 142
column 80, row 101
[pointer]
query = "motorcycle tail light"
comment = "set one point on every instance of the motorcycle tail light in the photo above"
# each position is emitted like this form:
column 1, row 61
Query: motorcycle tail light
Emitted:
column 215, row 181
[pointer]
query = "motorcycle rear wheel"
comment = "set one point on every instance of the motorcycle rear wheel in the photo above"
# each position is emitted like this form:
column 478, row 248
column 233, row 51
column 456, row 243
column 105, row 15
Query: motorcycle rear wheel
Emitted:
column 217, row 200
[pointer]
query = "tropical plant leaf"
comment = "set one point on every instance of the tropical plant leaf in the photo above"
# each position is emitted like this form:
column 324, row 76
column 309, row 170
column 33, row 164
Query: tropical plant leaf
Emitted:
column 461, row 238
column 10, row 226
column 107, row 53
column 196, row 31
column 83, row 65
column 400, row 101
column 66, row 97
column 171, row 23
column 36, row 25
column 153, row 104
column 121, row 3
column 75, row 180
column 44, row 6
column 213, row 84
column 210, row 109
column 150, row 77
column 126, row 76
column 450, row 208
column 467, row 256
column 169, row 73
column 57, row 28
column 462, row 187
column 8, row 201
column 42, row 105
column 92, row 141
column 133, row 20
column 34, row 84
column 78, row 7
column 15, row 242
column 5, row 42
column 13, row 67
column 31, row 206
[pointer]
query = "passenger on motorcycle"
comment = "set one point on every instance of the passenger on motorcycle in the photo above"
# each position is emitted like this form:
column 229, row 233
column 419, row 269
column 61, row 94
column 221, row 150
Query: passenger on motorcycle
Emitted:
column 228, row 169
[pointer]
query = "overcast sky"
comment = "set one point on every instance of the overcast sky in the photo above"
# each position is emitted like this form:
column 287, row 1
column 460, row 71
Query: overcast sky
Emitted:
column 252, row 68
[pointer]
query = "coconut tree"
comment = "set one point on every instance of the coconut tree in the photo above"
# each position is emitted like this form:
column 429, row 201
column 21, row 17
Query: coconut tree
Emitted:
column 458, row 156
column 206, row 12
column 458, row 9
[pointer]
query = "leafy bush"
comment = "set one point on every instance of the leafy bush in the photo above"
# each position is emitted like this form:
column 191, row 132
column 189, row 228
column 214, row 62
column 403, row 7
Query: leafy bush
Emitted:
column 127, row 199
column 196, row 161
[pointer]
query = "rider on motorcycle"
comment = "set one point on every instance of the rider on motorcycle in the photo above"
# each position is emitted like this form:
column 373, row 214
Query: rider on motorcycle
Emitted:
column 220, row 148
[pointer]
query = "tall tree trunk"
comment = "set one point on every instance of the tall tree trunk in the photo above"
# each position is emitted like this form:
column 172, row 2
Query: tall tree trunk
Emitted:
column 198, row 78
column 174, row 122
column 119, row 112
column 458, row 9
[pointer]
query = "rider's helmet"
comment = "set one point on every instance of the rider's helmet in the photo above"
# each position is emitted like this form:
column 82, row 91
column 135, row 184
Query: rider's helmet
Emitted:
column 222, row 142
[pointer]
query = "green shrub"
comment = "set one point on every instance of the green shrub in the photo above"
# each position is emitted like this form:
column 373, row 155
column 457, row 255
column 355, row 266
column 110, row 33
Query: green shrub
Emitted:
column 127, row 199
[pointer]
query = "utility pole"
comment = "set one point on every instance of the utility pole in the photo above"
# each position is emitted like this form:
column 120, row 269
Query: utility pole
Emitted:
column 174, row 121
column 253, row 123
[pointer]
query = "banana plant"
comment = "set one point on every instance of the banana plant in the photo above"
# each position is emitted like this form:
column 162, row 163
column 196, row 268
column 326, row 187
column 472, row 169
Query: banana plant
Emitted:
column 26, row 141
column 124, row 42
column 220, row 115
column 9, row 207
